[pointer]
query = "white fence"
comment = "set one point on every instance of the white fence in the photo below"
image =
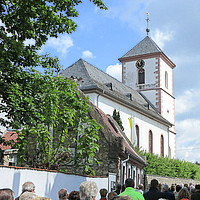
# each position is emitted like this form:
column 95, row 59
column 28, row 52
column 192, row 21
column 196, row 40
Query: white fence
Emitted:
column 47, row 183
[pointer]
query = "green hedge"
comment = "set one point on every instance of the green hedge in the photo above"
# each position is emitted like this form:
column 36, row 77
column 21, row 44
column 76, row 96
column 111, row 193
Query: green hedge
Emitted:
column 164, row 166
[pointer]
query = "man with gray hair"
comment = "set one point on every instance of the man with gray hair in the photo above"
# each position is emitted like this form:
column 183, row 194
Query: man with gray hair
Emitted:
column 28, row 196
column 169, row 194
column 88, row 190
column 27, row 187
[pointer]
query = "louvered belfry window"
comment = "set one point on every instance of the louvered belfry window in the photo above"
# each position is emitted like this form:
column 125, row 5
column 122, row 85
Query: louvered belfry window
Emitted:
column 141, row 76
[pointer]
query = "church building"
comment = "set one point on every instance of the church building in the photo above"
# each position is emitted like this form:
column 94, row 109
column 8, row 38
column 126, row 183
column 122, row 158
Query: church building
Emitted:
column 144, row 98
column 145, row 102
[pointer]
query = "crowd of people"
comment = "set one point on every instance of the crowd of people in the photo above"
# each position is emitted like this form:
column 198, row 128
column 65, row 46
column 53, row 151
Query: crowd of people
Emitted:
column 158, row 191
column 88, row 191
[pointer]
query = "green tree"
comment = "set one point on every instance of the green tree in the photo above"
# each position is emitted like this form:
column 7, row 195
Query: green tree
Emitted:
column 30, row 19
column 45, row 106
column 53, row 116
column 164, row 166
column 117, row 118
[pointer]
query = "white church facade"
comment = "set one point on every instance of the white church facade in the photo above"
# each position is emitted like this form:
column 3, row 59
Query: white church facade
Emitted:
column 144, row 98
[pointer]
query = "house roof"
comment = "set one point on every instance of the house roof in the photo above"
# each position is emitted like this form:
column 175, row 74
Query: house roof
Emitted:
column 146, row 46
column 90, row 79
column 112, row 131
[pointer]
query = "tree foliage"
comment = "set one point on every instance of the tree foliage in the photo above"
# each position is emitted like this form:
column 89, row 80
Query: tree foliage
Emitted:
column 52, row 116
column 36, row 20
column 164, row 166
column 117, row 118
column 47, row 108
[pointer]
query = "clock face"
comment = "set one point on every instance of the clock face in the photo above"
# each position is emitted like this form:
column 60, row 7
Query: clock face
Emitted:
column 140, row 64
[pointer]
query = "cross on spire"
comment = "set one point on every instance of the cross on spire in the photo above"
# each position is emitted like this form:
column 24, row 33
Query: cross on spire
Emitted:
column 147, row 19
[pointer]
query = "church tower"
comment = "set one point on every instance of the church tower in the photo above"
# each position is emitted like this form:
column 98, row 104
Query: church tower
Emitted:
column 148, row 70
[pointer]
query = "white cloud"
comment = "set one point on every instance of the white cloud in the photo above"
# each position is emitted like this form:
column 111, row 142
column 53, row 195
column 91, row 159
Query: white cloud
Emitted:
column 60, row 44
column 129, row 12
column 188, row 139
column 29, row 42
column 161, row 37
column 187, row 101
column 115, row 71
column 87, row 54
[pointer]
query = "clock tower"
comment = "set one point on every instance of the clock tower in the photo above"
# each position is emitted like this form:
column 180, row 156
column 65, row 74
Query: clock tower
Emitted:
column 148, row 70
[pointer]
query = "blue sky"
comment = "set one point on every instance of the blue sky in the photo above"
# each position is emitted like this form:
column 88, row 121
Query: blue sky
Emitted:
column 104, row 36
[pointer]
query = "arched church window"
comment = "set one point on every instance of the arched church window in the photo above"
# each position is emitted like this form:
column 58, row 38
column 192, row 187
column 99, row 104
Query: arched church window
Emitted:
column 141, row 76
column 162, row 145
column 137, row 135
column 150, row 142
column 166, row 79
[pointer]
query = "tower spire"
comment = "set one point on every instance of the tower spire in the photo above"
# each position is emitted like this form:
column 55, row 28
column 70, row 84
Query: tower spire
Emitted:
column 147, row 19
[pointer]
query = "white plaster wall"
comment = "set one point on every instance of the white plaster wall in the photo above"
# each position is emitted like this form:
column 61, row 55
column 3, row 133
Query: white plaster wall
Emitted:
column 165, row 68
column 167, row 101
column 172, row 138
column 131, row 72
column 150, row 69
column 145, row 124
column 47, row 183
column 168, row 108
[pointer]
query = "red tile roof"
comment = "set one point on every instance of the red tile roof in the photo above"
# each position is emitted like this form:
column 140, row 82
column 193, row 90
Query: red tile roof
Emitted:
column 119, row 133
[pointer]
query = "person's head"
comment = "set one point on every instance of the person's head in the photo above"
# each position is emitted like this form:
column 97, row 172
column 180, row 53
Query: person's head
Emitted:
column 28, row 187
column 165, row 187
column 154, row 183
column 6, row 194
column 183, row 194
column 178, row 188
column 88, row 190
column 197, row 187
column 172, row 189
column 129, row 182
column 118, row 186
column 112, row 195
column 103, row 192
column 74, row 195
column 187, row 186
column 140, row 186
column 27, row 196
column 63, row 194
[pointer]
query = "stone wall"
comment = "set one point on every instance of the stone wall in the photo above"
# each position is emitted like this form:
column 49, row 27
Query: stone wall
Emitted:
column 168, row 180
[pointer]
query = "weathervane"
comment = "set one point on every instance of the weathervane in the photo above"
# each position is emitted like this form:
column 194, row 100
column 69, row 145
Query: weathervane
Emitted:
column 147, row 19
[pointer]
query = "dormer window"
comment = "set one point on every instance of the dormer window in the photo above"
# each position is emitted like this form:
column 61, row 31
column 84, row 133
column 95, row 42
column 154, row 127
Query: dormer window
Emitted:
column 109, row 85
column 129, row 95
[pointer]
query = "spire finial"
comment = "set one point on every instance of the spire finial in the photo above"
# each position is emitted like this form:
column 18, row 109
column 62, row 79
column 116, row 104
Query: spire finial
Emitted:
column 147, row 19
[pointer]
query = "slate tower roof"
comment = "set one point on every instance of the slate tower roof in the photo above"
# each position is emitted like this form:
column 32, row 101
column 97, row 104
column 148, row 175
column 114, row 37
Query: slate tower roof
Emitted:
column 146, row 46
